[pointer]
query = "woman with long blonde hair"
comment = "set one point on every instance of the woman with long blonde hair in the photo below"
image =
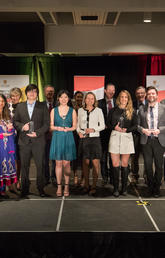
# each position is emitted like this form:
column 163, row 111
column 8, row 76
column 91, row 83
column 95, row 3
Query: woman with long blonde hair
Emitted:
column 122, row 121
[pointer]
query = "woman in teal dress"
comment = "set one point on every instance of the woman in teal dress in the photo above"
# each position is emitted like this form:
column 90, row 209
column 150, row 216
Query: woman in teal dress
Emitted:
column 63, row 121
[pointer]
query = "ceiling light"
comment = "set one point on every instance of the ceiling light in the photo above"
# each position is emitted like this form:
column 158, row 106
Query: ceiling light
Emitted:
column 147, row 17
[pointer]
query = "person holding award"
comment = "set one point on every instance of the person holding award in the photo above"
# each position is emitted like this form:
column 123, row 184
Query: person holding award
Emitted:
column 151, row 126
column 32, row 120
column 63, row 121
column 90, row 123
column 122, row 121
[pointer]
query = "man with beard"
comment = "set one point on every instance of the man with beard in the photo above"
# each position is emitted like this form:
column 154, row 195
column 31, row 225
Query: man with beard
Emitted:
column 151, row 126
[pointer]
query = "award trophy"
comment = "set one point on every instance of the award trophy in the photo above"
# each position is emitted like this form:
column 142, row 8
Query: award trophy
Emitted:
column 31, row 127
column 121, row 122
column 63, row 123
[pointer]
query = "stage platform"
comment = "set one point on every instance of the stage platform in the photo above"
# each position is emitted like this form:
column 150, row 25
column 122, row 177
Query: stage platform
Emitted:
column 82, row 226
column 83, row 213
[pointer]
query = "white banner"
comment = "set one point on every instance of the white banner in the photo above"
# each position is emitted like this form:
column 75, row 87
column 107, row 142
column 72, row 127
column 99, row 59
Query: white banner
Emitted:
column 7, row 82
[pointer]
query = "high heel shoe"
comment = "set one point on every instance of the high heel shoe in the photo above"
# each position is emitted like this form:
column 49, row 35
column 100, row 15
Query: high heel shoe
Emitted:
column 66, row 190
column 59, row 190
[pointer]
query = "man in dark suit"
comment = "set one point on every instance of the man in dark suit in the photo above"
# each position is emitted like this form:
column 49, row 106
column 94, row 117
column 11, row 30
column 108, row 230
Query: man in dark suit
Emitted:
column 163, row 102
column 50, row 103
column 106, row 104
column 151, row 126
column 31, row 119
column 140, row 94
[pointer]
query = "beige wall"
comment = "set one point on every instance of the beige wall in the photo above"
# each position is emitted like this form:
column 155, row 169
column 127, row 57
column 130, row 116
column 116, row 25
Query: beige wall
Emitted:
column 98, row 39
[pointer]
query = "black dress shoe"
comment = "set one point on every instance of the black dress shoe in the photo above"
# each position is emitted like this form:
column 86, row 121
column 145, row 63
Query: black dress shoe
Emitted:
column 104, row 181
column 156, row 195
column 24, row 195
column 54, row 181
column 42, row 194
column 116, row 193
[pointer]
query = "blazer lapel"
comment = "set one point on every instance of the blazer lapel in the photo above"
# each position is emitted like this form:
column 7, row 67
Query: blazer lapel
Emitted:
column 145, row 115
column 160, row 113
column 34, row 110
column 25, row 111
column 105, row 108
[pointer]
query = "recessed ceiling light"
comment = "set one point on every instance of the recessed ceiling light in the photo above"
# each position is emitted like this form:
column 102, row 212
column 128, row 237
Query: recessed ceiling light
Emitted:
column 147, row 17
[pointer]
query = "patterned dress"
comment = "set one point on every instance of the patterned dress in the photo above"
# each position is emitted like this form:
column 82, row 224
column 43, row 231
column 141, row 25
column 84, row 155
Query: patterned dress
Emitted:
column 7, row 157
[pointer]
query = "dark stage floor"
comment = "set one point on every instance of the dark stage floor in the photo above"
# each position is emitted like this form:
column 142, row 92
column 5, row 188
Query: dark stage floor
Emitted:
column 83, row 213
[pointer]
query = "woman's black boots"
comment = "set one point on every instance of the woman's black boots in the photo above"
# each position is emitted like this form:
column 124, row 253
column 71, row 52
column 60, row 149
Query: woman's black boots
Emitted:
column 116, row 181
column 124, row 179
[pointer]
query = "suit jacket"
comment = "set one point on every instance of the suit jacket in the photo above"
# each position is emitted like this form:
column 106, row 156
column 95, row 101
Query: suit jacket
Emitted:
column 105, row 134
column 54, row 103
column 41, row 120
column 162, row 101
column 103, row 105
column 142, row 123
column 48, row 135
column 135, row 104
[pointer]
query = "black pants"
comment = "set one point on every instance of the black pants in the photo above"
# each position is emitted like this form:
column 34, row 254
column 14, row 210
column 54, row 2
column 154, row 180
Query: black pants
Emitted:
column 135, row 156
column 105, row 171
column 37, row 150
column 153, row 151
column 47, row 168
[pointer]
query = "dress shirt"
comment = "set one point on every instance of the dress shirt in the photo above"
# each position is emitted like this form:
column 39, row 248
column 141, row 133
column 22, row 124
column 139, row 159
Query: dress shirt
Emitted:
column 30, row 108
column 155, row 113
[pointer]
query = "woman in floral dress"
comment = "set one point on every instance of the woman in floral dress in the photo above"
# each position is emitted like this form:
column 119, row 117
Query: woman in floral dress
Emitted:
column 7, row 149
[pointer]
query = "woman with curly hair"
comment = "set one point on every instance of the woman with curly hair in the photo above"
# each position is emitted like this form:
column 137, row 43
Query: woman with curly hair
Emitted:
column 122, row 121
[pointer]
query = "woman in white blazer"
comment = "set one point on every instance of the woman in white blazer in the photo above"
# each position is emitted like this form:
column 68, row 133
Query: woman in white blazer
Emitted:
column 90, row 123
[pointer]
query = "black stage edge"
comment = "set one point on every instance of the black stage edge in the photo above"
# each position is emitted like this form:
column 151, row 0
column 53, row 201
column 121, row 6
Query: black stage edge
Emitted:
column 82, row 245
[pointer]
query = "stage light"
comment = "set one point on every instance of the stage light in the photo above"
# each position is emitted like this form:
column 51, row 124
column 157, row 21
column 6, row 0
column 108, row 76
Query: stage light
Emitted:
column 147, row 18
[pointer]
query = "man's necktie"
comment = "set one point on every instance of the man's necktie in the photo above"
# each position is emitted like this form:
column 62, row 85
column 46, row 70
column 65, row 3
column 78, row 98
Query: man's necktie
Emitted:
column 109, row 105
column 50, row 107
column 151, row 118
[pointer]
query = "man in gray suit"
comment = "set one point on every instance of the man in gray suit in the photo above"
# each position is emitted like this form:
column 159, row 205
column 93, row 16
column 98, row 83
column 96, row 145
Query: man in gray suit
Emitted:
column 32, row 138
column 151, row 125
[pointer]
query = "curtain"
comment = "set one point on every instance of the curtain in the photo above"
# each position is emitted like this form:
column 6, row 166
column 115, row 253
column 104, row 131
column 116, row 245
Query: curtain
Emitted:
column 157, row 65
column 41, row 70
column 142, row 69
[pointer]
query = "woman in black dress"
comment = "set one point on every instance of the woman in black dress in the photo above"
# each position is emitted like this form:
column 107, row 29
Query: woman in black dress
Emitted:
column 122, row 121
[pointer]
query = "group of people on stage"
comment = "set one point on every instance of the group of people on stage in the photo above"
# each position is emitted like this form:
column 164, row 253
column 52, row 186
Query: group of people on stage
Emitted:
column 89, row 133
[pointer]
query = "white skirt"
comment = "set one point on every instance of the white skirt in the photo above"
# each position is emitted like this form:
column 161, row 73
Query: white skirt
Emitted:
column 121, row 143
